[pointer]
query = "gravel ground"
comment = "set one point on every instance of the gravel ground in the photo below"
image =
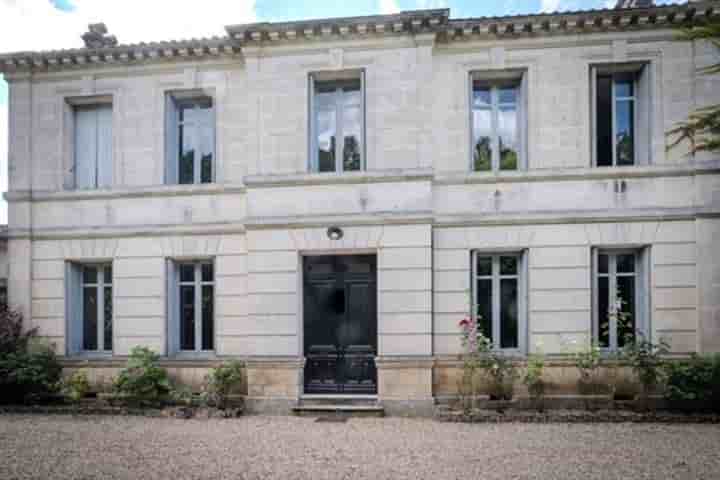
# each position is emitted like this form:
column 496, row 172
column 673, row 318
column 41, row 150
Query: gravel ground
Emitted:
column 86, row 447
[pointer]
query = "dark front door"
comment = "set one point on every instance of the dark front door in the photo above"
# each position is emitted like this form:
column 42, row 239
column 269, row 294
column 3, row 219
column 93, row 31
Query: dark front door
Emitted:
column 340, row 316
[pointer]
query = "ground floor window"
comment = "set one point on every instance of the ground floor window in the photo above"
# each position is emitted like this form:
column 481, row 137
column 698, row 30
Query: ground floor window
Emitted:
column 192, row 300
column 497, row 301
column 90, row 307
column 620, row 294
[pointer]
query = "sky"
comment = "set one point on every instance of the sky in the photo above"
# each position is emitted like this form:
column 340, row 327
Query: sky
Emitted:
column 53, row 24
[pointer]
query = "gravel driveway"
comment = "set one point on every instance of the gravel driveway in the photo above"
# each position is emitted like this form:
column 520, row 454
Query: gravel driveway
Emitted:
column 44, row 447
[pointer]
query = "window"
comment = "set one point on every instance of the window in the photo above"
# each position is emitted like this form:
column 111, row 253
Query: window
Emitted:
column 498, row 121
column 498, row 298
column 93, row 146
column 190, row 138
column 621, row 115
column 90, row 308
column 620, row 303
column 3, row 294
column 191, row 306
column 337, row 113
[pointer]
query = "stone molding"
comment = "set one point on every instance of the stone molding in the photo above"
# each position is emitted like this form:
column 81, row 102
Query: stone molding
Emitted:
column 423, row 24
column 346, row 178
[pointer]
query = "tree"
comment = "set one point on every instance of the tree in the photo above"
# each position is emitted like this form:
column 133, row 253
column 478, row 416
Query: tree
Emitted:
column 702, row 128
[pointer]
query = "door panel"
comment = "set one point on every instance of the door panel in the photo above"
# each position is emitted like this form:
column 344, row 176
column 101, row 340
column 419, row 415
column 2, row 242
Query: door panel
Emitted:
column 340, row 327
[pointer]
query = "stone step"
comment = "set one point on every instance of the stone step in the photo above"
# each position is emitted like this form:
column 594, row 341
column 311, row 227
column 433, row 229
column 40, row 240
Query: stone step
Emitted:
column 343, row 410
column 322, row 400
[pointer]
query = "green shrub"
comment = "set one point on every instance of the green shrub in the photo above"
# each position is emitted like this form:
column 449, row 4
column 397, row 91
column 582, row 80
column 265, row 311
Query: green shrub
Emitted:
column 143, row 380
column 30, row 374
column 221, row 382
column 76, row 386
column 533, row 375
column 695, row 379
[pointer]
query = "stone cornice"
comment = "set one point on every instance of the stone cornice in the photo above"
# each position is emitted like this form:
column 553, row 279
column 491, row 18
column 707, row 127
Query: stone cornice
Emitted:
column 429, row 25
column 347, row 178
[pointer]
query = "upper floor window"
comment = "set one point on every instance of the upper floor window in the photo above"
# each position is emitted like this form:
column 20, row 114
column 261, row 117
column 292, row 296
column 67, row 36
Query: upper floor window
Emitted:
column 191, row 301
column 90, row 308
column 620, row 295
column 621, row 115
column 498, row 120
column 337, row 122
column 498, row 299
column 190, row 138
column 93, row 163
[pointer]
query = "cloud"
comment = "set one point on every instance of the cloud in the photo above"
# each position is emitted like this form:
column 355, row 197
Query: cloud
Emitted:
column 550, row 5
column 431, row 4
column 389, row 6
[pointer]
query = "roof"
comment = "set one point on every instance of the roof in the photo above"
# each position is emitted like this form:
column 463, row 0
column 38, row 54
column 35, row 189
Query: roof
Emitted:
column 434, row 22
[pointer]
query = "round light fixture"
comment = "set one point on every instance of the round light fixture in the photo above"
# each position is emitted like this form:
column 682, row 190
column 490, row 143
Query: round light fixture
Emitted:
column 335, row 233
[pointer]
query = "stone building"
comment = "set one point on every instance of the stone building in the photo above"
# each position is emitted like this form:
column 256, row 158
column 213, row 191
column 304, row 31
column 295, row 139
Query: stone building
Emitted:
column 327, row 199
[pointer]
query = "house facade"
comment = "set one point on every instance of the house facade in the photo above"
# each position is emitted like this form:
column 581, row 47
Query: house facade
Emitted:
column 327, row 199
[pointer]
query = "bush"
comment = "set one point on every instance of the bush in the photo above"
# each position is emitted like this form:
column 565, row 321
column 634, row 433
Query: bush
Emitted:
column 645, row 359
column 29, row 369
column 533, row 376
column 221, row 381
column 696, row 379
column 76, row 386
column 143, row 380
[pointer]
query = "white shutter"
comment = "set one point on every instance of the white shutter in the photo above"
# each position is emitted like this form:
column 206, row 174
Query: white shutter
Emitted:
column 73, row 309
column 171, row 141
column 643, row 123
column 523, row 120
column 104, row 146
column 85, row 147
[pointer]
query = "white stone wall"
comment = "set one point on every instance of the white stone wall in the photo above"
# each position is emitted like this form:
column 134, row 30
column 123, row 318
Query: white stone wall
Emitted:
column 559, row 298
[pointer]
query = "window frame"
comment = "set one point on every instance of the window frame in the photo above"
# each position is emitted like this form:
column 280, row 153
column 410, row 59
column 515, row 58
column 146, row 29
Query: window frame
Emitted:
column 173, row 103
column 495, row 79
column 94, row 104
column 641, row 72
column 313, row 160
column 75, row 286
column 642, row 291
column 496, row 277
column 175, row 313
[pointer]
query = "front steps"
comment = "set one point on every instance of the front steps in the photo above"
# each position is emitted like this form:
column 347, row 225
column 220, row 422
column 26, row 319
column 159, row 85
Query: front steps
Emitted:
column 339, row 405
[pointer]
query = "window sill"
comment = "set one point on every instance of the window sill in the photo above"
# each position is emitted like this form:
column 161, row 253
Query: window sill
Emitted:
column 332, row 178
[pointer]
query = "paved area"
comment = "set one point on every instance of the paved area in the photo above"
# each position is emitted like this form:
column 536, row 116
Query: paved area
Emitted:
column 65, row 447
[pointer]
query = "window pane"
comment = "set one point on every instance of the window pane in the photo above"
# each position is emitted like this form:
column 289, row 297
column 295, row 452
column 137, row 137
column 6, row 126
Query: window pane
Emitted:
column 484, row 307
column 626, row 292
column 507, row 95
column 508, row 313
column 482, row 150
column 187, row 272
column 90, row 274
column 186, row 174
column 602, row 313
column 90, row 311
column 206, row 149
column 508, row 265
column 484, row 265
column 481, row 97
column 603, row 133
column 602, row 263
column 624, row 133
column 507, row 124
column 207, row 272
column 326, row 126
column 626, row 263
column 187, row 317
column 623, row 88
column 107, row 275
column 85, row 147
column 352, row 130
column 207, row 317
column 107, row 327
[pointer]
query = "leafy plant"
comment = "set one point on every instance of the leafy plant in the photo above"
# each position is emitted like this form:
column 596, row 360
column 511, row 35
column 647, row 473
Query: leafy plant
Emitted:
column 222, row 381
column 29, row 374
column 533, row 376
column 13, row 337
column 76, row 386
column 695, row 379
column 587, row 360
column 143, row 380
column 499, row 369
column 702, row 128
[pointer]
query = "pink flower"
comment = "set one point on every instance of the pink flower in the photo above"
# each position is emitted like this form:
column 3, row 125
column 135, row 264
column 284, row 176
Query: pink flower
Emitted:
column 464, row 322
